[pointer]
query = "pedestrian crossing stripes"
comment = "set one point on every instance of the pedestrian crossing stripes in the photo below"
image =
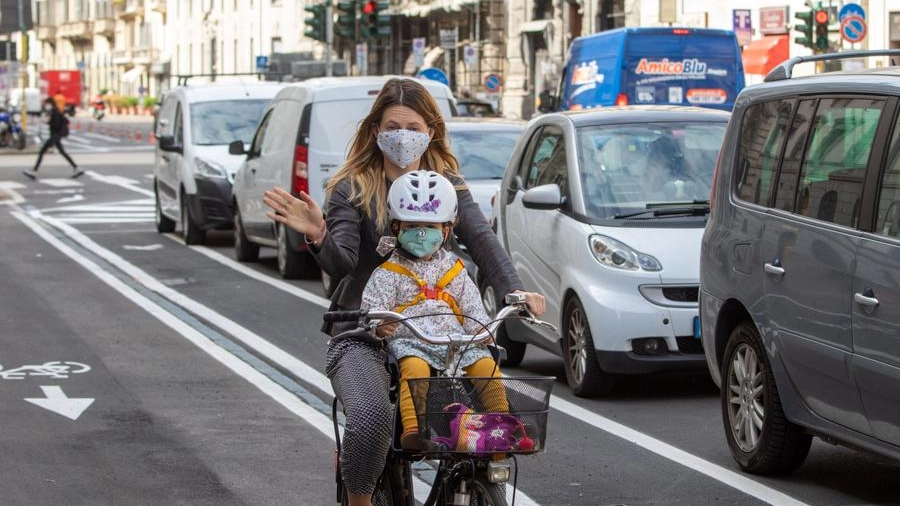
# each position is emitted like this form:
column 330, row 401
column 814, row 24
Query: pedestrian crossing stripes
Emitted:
column 126, row 211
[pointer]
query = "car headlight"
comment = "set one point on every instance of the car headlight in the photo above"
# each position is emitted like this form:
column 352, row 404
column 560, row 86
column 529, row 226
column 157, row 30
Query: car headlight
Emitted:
column 618, row 255
column 209, row 170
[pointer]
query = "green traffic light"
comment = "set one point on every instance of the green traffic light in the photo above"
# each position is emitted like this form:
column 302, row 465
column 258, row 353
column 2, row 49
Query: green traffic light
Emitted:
column 315, row 24
column 805, row 29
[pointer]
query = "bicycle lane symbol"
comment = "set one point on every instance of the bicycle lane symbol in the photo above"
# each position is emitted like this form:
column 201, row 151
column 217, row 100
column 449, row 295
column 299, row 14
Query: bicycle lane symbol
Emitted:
column 54, row 399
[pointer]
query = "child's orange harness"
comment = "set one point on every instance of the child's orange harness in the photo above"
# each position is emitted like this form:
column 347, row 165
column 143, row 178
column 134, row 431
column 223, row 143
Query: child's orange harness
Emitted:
column 426, row 292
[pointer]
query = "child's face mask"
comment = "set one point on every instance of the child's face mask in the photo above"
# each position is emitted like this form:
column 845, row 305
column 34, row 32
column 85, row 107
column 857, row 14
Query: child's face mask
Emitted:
column 421, row 241
column 402, row 147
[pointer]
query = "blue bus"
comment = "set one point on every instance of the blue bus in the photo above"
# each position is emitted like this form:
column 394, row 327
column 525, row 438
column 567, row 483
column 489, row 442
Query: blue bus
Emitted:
column 638, row 66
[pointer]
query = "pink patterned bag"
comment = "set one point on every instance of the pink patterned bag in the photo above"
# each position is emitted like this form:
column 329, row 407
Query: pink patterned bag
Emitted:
column 483, row 434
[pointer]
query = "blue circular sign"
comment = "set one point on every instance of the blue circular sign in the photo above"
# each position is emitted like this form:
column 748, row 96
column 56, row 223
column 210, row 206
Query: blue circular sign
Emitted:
column 853, row 29
column 492, row 82
column 434, row 74
column 851, row 10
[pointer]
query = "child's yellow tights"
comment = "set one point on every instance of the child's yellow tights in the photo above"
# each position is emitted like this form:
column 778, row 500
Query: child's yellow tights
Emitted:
column 493, row 395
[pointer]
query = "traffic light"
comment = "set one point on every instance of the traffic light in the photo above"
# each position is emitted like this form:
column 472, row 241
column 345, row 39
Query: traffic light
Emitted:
column 821, row 19
column 346, row 18
column 375, row 22
column 805, row 29
column 315, row 24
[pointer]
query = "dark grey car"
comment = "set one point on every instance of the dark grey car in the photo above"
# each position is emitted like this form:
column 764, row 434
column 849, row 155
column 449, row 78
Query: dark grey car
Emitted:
column 800, row 266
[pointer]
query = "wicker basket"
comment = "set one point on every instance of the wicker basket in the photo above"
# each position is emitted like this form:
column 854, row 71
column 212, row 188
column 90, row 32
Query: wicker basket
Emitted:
column 483, row 416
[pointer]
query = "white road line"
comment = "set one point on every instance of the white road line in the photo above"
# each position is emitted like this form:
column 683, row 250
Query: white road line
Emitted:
column 101, row 137
column 315, row 418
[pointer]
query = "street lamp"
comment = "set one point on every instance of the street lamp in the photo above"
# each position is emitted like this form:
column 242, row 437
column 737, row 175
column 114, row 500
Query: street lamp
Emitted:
column 211, row 27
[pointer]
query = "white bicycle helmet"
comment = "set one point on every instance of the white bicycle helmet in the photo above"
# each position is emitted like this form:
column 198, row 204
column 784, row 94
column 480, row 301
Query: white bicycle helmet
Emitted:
column 422, row 196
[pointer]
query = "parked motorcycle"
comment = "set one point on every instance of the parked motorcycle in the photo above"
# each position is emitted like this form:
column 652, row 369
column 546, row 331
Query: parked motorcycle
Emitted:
column 11, row 134
column 99, row 109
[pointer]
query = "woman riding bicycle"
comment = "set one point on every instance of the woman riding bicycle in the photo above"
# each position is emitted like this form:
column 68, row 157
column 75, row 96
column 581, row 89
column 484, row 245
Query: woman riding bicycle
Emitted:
column 345, row 245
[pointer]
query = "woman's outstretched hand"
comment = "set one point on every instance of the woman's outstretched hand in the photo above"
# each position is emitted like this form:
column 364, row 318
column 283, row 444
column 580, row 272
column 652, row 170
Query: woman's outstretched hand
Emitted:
column 301, row 214
column 536, row 302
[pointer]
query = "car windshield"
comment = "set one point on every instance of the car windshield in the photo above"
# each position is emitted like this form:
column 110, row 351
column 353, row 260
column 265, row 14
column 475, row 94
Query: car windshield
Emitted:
column 483, row 153
column 223, row 122
column 626, row 169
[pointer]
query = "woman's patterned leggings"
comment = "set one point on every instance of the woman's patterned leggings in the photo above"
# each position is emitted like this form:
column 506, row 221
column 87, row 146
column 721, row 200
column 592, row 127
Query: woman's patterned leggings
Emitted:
column 360, row 380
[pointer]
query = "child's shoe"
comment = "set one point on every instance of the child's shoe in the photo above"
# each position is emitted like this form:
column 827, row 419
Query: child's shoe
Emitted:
column 412, row 441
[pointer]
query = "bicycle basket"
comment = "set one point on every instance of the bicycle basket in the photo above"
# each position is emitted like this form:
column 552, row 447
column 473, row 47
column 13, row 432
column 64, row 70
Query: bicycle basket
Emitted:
column 483, row 416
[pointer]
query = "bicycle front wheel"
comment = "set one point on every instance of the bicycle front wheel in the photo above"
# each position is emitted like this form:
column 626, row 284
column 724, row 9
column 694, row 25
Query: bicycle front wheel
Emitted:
column 485, row 493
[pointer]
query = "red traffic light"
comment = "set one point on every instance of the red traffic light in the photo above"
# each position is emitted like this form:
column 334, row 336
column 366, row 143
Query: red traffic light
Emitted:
column 822, row 17
column 370, row 7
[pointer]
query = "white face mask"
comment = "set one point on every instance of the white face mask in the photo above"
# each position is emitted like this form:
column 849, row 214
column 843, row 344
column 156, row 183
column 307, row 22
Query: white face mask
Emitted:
column 402, row 147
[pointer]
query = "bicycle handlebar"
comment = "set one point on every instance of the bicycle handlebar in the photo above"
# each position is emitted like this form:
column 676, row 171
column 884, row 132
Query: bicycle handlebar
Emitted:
column 369, row 320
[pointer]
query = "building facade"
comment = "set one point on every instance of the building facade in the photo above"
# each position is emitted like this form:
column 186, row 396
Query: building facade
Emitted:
column 503, row 51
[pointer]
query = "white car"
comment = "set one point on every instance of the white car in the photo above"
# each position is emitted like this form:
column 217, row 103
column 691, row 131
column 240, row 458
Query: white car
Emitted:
column 301, row 141
column 193, row 170
column 602, row 211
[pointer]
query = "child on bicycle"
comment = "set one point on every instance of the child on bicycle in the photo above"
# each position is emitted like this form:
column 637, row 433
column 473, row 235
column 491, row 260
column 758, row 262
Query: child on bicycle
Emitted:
column 423, row 278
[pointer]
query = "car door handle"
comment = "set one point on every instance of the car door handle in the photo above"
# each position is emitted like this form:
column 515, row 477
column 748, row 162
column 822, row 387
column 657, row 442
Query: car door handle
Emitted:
column 774, row 268
column 866, row 298
column 165, row 158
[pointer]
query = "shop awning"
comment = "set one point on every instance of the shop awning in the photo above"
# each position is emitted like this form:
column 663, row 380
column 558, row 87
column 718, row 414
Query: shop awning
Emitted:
column 415, row 9
column 133, row 74
column 537, row 25
column 762, row 55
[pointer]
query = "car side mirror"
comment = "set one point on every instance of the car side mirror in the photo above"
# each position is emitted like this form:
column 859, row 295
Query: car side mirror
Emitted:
column 547, row 196
column 237, row 148
column 167, row 143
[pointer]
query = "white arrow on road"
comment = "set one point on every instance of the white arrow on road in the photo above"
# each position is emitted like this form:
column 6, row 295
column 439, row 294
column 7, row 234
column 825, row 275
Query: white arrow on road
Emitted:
column 73, row 198
column 57, row 402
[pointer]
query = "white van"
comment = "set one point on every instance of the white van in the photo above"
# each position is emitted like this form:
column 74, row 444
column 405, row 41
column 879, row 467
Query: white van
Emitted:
column 301, row 141
column 193, row 170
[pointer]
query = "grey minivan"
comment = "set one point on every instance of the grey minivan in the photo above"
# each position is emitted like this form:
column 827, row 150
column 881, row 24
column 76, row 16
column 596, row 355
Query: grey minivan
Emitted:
column 800, row 265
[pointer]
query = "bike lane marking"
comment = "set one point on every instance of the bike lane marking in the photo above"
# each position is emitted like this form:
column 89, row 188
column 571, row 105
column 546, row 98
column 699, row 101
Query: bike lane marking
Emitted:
column 238, row 360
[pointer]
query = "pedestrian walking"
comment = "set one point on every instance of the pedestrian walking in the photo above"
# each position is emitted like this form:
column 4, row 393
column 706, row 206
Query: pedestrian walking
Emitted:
column 59, row 128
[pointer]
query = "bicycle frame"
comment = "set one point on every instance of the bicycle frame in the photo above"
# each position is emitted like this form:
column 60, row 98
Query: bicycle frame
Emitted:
column 458, row 477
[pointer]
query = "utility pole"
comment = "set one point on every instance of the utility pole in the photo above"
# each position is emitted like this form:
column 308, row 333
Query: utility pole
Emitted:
column 23, row 67
column 329, row 38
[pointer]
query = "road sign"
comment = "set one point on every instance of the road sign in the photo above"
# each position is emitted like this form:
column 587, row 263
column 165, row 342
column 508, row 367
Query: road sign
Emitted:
column 434, row 74
column 853, row 28
column 742, row 25
column 851, row 10
column 262, row 63
column 492, row 82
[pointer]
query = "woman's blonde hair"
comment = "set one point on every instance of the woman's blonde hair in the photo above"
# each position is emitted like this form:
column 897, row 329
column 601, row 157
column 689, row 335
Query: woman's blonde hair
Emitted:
column 364, row 166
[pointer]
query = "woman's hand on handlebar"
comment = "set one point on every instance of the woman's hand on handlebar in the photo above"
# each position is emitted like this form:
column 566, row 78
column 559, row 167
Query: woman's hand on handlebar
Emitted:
column 536, row 302
column 301, row 214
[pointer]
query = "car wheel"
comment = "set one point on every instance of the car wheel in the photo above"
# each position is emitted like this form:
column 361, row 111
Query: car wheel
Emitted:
column 189, row 229
column 293, row 264
column 762, row 440
column 164, row 225
column 583, row 372
column 515, row 351
column 244, row 250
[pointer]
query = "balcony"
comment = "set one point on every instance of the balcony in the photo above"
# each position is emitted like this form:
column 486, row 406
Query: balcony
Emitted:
column 76, row 30
column 121, row 57
column 127, row 9
column 105, row 27
column 45, row 32
column 157, row 5
column 144, row 55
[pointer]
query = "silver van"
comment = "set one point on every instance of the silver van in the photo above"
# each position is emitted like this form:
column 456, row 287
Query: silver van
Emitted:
column 800, row 265
column 301, row 141
column 192, row 169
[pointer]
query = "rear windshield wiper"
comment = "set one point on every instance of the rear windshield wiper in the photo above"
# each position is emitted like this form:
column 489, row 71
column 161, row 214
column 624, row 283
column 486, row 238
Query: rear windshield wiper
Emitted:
column 656, row 209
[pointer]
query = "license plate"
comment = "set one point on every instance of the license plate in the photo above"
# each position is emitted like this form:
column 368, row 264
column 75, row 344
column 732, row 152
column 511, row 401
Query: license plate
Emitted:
column 697, row 327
